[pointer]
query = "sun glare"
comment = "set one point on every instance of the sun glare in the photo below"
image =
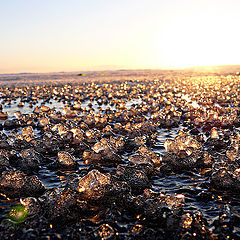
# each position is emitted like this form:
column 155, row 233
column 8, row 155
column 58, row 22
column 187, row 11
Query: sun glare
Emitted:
column 196, row 41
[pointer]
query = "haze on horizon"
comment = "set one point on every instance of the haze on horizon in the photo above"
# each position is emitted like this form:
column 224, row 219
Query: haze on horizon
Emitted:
column 73, row 35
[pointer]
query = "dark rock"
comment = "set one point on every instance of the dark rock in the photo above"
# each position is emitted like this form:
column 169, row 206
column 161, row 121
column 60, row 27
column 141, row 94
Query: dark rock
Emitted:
column 30, row 159
column 11, row 124
column 16, row 183
column 61, row 205
column 135, row 178
column 227, row 180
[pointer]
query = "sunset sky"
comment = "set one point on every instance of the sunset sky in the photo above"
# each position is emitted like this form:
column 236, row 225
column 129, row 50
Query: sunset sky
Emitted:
column 72, row 35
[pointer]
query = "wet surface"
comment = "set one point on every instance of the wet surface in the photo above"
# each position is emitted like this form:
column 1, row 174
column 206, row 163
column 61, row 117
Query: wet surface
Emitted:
column 127, row 155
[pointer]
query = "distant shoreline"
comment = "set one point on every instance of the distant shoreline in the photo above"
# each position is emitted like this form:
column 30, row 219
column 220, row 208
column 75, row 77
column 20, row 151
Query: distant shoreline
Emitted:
column 235, row 67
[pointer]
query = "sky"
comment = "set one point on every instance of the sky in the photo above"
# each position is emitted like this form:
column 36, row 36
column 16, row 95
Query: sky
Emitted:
column 77, row 35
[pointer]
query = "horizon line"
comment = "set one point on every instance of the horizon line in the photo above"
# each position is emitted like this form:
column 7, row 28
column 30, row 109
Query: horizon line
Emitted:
column 127, row 69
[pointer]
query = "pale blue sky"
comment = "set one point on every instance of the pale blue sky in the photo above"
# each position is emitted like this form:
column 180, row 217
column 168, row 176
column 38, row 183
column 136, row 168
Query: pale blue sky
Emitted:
column 69, row 35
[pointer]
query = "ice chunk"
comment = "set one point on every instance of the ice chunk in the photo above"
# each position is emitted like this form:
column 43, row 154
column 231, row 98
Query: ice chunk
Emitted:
column 69, row 113
column 140, row 159
column 214, row 133
column 66, row 160
column 98, row 147
column 167, row 144
column 27, row 133
column 77, row 106
column 182, row 142
column 44, row 108
column 93, row 186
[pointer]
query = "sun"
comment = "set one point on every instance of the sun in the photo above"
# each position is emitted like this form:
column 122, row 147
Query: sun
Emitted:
column 196, row 41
